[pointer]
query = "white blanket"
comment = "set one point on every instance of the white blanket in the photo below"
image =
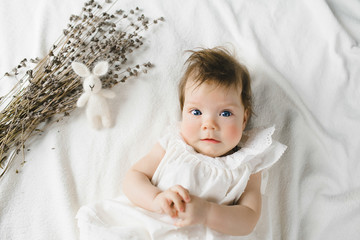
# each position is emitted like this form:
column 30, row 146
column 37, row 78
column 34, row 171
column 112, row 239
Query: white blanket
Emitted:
column 304, row 58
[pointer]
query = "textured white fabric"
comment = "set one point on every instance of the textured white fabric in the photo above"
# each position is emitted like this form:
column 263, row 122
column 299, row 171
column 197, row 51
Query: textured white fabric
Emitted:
column 221, row 180
column 304, row 60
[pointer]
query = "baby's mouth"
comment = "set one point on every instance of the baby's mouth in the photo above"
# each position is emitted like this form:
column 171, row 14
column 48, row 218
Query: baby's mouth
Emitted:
column 210, row 140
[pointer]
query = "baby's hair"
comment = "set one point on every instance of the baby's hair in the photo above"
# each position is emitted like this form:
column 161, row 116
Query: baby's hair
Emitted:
column 217, row 65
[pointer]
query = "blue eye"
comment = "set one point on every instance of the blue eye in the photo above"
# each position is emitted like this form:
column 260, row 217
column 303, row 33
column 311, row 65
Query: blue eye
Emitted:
column 225, row 114
column 195, row 112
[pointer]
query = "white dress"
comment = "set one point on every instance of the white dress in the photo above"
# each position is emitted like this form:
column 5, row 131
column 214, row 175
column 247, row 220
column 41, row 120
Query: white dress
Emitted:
column 221, row 180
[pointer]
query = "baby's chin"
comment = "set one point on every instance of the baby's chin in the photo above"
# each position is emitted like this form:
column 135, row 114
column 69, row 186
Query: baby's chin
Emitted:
column 214, row 153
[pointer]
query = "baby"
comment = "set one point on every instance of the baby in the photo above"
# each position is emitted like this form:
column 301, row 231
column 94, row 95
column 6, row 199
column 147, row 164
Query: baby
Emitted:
column 203, row 178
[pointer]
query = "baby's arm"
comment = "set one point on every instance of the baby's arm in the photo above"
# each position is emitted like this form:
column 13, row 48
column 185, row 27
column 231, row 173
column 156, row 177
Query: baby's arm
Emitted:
column 238, row 219
column 138, row 187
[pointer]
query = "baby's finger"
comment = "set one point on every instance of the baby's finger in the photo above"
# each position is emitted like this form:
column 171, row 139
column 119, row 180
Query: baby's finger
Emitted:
column 179, row 204
column 167, row 208
column 183, row 192
column 176, row 201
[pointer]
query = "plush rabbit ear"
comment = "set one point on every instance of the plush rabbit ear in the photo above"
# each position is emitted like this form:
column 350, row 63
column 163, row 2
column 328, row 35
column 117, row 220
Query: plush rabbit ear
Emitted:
column 101, row 68
column 80, row 69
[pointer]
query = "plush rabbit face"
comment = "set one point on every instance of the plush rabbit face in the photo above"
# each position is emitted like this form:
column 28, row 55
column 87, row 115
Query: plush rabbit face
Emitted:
column 92, row 83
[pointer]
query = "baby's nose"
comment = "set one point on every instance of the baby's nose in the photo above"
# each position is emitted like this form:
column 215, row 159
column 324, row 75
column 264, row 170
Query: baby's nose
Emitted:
column 210, row 124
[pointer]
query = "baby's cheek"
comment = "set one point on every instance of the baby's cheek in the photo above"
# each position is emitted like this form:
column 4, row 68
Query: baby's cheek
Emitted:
column 187, row 130
column 234, row 133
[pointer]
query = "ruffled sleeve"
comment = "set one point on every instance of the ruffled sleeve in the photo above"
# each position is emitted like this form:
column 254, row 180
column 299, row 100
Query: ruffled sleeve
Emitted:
column 268, row 157
column 170, row 132
column 262, row 151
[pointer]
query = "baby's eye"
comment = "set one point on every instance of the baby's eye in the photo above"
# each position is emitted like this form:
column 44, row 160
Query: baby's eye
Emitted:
column 195, row 112
column 225, row 114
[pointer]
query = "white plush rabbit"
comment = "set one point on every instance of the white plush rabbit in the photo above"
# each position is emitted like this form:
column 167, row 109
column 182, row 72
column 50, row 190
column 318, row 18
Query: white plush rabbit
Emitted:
column 97, row 109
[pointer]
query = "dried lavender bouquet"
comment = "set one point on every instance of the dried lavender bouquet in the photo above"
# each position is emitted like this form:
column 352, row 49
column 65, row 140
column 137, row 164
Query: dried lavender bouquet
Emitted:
column 48, row 91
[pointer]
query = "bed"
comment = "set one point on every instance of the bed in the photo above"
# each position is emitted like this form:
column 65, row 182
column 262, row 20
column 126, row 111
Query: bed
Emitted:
column 304, row 58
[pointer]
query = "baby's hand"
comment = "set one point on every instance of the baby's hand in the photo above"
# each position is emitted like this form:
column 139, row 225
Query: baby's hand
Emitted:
column 172, row 201
column 196, row 212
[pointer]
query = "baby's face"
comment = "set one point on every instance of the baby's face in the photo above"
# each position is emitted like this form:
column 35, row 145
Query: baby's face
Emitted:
column 213, row 118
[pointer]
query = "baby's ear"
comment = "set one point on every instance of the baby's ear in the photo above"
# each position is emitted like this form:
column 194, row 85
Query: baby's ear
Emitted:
column 246, row 117
column 80, row 69
column 101, row 68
